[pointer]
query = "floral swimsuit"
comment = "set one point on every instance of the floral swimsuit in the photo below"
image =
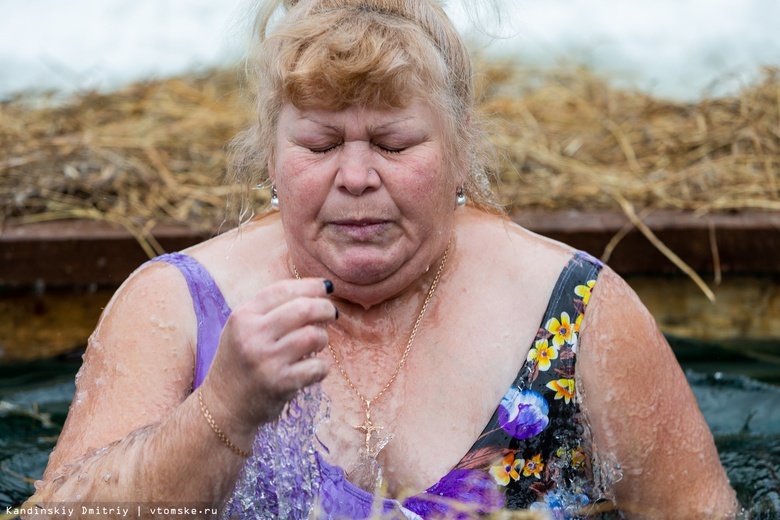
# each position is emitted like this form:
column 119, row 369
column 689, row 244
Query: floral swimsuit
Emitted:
column 536, row 446
column 534, row 452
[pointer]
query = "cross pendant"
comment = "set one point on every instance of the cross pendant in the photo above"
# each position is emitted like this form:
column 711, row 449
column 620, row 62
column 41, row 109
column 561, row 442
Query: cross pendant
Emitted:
column 368, row 428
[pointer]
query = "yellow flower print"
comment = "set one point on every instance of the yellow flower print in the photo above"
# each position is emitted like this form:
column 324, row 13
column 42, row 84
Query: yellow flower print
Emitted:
column 564, row 389
column 562, row 331
column 577, row 457
column 533, row 466
column 508, row 468
column 542, row 353
column 583, row 291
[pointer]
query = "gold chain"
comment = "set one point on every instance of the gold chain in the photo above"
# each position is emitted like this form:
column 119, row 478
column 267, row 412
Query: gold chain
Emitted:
column 220, row 434
column 368, row 427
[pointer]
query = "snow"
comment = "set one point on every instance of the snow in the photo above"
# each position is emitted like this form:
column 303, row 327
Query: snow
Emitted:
column 674, row 48
column 83, row 44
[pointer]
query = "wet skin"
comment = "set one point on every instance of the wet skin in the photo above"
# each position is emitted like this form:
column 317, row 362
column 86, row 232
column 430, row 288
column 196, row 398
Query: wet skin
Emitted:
column 367, row 202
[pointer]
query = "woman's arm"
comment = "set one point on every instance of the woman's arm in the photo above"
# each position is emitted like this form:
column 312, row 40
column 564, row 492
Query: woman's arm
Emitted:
column 134, row 432
column 643, row 413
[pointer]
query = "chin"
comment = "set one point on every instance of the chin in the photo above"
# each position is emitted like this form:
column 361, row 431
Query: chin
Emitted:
column 364, row 266
column 363, row 273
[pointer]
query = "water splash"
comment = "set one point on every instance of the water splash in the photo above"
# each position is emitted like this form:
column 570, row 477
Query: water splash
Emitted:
column 751, row 455
column 582, row 476
column 367, row 473
column 282, row 477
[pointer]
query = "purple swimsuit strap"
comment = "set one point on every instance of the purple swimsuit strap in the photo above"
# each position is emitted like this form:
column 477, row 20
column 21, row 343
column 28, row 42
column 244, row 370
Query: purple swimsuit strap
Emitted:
column 210, row 307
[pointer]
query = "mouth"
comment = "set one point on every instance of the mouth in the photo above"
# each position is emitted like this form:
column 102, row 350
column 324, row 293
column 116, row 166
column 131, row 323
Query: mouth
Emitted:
column 363, row 229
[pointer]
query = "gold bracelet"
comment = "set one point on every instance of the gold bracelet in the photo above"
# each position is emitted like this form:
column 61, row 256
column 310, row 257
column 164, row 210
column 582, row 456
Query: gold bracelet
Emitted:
column 220, row 434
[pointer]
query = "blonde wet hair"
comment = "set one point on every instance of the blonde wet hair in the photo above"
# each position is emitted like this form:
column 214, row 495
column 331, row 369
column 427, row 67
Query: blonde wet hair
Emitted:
column 373, row 53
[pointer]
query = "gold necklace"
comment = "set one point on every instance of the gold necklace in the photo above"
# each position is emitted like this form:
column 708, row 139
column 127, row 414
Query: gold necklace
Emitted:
column 368, row 428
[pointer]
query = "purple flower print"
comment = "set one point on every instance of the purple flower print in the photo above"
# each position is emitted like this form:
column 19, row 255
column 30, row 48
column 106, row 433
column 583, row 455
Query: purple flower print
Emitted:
column 523, row 414
column 461, row 494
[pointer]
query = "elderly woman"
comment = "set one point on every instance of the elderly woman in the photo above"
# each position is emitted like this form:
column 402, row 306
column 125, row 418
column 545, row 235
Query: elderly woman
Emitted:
column 458, row 364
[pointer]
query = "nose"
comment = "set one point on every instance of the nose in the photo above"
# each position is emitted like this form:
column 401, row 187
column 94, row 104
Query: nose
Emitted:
column 356, row 174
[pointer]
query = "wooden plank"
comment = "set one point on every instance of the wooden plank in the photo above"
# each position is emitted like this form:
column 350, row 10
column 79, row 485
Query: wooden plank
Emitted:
column 37, row 325
column 744, row 321
column 746, row 310
column 741, row 243
column 96, row 253
column 56, row 277
column 78, row 252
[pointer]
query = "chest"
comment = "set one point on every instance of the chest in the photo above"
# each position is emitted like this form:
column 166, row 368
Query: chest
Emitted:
column 438, row 403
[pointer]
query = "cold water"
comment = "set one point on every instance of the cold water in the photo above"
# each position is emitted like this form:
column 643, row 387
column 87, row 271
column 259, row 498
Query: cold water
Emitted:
column 742, row 413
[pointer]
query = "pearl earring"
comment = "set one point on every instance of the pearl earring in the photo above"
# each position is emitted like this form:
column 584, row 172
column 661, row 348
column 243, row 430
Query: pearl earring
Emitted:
column 274, row 199
column 460, row 196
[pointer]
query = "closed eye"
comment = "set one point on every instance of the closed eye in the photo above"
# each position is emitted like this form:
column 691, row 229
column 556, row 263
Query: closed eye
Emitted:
column 388, row 149
column 323, row 149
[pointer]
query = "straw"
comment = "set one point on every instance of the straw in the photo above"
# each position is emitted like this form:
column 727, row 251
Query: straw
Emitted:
column 154, row 152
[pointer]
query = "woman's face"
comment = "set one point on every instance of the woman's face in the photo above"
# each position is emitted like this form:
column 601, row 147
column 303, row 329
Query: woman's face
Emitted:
column 364, row 193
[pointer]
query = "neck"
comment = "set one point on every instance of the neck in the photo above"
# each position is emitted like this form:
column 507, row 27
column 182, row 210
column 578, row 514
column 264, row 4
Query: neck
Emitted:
column 388, row 322
column 386, row 325
column 398, row 283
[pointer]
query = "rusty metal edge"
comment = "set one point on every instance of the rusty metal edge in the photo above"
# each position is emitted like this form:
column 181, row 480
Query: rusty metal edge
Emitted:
column 95, row 253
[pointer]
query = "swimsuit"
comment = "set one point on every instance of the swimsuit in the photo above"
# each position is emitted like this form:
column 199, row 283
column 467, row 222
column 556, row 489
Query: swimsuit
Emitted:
column 534, row 452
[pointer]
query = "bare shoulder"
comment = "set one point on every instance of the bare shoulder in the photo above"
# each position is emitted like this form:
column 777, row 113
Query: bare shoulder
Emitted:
column 149, row 304
column 620, row 335
column 621, row 339
column 245, row 259
column 505, row 276
column 643, row 413
column 138, row 364
column 505, row 251
column 501, row 238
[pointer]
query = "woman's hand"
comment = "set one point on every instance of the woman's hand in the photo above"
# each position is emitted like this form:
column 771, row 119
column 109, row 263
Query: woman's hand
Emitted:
column 267, row 352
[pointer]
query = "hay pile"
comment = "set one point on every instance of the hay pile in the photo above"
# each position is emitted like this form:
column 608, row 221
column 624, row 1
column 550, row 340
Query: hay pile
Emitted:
column 154, row 152
column 571, row 141
column 150, row 153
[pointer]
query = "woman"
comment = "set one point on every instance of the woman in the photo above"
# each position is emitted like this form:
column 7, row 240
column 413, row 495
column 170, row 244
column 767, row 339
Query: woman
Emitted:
column 388, row 279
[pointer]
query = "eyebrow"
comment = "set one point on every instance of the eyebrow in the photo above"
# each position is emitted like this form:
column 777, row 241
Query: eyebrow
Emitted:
column 371, row 129
column 335, row 128
column 389, row 123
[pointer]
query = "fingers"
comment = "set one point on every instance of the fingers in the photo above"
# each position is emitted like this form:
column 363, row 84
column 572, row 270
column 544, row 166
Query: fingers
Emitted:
column 302, row 343
column 269, row 345
column 288, row 290
column 299, row 313
column 287, row 306
column 306, row 372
